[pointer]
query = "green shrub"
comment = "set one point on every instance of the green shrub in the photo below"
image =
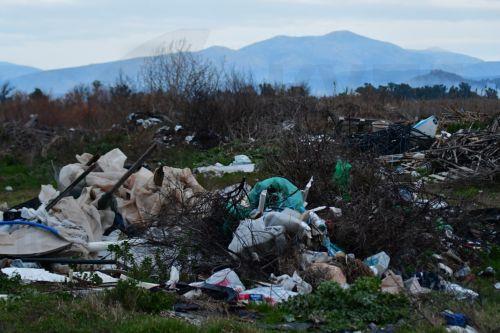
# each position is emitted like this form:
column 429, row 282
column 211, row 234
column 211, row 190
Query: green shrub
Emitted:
column 352, row 308
column 135, row 298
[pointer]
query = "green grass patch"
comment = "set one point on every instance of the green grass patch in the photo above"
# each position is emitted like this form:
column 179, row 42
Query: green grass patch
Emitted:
column 468, row 192
column 60, row 312
column 455, row 127
column 353, row 309
column 24, row 179
column 134, row 298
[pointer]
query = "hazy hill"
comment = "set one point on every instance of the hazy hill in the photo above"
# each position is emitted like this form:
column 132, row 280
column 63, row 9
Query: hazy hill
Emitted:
column 342, row 57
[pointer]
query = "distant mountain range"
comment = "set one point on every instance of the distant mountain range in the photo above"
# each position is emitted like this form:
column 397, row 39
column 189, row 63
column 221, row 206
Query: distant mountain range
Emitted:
column 9, row 71
column 342, row 57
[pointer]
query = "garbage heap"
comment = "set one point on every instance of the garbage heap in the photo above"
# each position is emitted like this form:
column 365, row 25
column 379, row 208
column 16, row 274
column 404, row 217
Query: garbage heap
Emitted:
column 265, row 232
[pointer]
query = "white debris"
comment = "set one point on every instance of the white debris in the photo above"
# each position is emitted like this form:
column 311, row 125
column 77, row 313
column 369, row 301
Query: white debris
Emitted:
column 427, row 127
column 89, row 276
column 47, row 193
column 251, row 233
column 292, row 282
column 34, row 274
column 174, row 277
column 459, row 329
column 145, row 285
column 146, row 123
column 9, row 188
column 224, row 278
column 459, row 291
column 241, row 163
column 378, row 263
column 445, row 269
column 274, row 294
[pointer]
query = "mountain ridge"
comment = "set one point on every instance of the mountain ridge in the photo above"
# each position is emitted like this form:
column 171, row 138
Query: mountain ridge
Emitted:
column 343, row 57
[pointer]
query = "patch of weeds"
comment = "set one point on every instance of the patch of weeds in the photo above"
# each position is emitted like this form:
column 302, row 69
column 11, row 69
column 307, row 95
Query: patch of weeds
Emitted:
column 22, row 176
column 352, row 308
column 57, row 312
column 148, row 324
column 211, row 182
column 271, row 314
column 193, row 157
column 143, row 271
column 483, row 313
column 423, row 172
column 134, row 298
column 10, row 285
column 475, row 125
column 108, row 142
column 420, row 327
column 468, row 192
column 492, row 258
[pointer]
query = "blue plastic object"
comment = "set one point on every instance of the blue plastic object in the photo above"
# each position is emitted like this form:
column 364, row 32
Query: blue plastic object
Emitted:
column 31, row 224
column 455, row 319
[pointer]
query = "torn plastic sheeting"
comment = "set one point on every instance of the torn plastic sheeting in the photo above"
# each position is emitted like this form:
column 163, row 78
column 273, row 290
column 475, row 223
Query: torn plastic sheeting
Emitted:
column 30, row 224
column 241, row 163
column 288, row 219
column 140, row 196
column 281, row 193
column 224, row 278
column 341, row 177
column 218, row 292
column 251, row 233
column 392, row 283
column 310, row 257
column 459, row 292
column 272, row 294
column 320, row 225
column 378, row 263
column 413, row 286
column 34, row 275
column 47, row 193
column 30, row 242
column 294, row 282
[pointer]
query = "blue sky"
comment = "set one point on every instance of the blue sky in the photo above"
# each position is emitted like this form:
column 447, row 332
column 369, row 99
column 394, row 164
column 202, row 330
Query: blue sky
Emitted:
column 61, row 33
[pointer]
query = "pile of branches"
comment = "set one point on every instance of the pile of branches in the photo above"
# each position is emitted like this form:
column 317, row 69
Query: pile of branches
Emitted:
column 396, row 139
column 385, row 214
column 192, row 234
column 16, row 137
column 381, row 214
column 195, row 235
column 478, row 151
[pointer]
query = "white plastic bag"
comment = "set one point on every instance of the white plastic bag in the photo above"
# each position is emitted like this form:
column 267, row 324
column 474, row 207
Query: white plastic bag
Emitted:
column 378, row 263
column 224, row 278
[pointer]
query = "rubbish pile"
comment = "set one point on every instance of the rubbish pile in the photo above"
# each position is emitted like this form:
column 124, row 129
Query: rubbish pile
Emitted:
column 98, row 195
column 466, row 153
column 396, row 138
column 269, row 233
